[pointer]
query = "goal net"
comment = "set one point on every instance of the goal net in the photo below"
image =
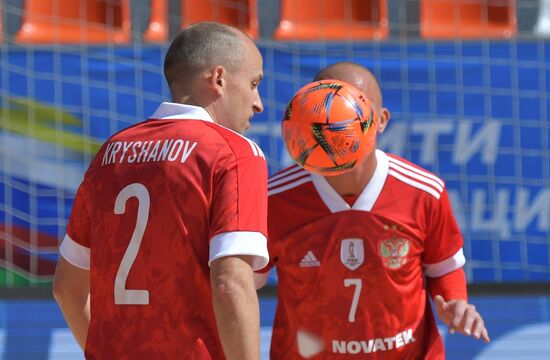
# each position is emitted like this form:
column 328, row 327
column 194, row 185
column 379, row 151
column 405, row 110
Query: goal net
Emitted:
column 467, row 84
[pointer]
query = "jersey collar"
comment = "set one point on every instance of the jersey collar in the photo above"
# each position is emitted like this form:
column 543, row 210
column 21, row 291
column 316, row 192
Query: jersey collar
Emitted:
column 368, row 196
column 170, row 110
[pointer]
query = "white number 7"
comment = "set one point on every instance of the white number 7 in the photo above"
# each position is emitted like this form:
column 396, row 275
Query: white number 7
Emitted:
column 353, row 309
column 122, row 295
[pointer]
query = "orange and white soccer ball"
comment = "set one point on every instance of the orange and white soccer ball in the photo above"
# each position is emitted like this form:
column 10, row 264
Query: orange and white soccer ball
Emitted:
column 329, row 127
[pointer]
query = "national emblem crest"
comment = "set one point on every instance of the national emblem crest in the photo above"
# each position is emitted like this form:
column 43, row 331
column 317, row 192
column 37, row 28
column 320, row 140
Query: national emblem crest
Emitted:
column 394, row 252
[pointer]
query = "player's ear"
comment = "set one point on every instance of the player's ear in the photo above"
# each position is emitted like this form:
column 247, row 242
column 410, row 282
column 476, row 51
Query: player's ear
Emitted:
column 218, row 79
column 383, row 120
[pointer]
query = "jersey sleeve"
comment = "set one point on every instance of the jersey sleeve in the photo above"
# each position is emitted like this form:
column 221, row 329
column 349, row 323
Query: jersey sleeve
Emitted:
column 75, row 247
column 451, row 285
column 238, row 223
column 443, row 247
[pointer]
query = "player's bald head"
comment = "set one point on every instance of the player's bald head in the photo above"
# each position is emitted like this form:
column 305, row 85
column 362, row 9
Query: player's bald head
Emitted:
column 357, row 75
column 200, row 47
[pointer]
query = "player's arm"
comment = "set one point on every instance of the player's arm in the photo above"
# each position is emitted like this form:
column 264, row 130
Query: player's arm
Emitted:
column 452, row 307
column 238, row 244
column 445, row 276
column 236, row 306
column 260, row 279
column 71, row 285
column 71, row 290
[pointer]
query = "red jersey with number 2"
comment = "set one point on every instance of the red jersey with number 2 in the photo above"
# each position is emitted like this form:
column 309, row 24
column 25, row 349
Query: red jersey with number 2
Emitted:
column 160, row 201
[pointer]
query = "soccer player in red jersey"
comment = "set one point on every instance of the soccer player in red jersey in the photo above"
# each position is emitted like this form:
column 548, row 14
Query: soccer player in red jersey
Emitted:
column 358, row 254
column 171, row 217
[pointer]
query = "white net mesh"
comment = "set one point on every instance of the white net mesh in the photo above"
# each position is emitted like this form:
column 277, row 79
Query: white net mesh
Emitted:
column 473, row 109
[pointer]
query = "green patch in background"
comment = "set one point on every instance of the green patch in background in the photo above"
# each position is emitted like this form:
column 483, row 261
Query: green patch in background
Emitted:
column 10, row 279
column 46, row 123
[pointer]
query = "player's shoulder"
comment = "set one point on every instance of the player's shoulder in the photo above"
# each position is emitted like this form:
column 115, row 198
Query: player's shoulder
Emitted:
column 239, row 144
column 287, row 179
column 128, row 131
column 414, row 177
column 120, row 135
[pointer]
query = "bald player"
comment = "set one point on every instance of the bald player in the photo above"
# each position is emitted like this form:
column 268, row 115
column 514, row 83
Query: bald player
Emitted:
column 171, row 218
column 358, row 255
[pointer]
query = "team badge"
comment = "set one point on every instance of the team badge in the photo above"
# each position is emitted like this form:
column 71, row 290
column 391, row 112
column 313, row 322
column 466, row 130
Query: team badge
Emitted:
column 352, row 253
column 394, row 252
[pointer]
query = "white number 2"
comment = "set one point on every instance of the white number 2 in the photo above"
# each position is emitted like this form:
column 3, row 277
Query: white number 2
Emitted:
column 356, row 293
column 122, row 295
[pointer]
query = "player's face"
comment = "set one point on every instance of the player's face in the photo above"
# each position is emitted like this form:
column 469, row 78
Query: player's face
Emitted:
column 243, row 98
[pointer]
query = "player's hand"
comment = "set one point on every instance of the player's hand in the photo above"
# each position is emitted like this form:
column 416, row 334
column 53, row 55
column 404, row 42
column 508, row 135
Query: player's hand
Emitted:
column 462, row 317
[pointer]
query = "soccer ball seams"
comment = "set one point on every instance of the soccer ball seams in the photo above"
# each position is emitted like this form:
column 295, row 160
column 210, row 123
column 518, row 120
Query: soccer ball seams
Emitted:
column 346, row 166
column 322, row 141
column 365, row 125
column 304, row 154
column 288, row 110
column 353, row 102
column 327, row 104
column 324, row 85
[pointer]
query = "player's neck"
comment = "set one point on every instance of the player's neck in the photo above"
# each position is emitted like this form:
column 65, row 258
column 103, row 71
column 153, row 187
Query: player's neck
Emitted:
column 354, row 182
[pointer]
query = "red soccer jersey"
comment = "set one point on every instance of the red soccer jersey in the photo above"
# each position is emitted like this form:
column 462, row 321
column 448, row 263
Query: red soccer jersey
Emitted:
column 159, row 202
column 351, row 278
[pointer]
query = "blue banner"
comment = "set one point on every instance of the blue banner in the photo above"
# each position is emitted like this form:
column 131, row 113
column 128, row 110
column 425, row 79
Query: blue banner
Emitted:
column 519, row 328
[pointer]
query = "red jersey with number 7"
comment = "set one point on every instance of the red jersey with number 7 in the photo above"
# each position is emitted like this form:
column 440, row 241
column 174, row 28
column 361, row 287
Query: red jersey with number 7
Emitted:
column 159, row 202
column 351, row 278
